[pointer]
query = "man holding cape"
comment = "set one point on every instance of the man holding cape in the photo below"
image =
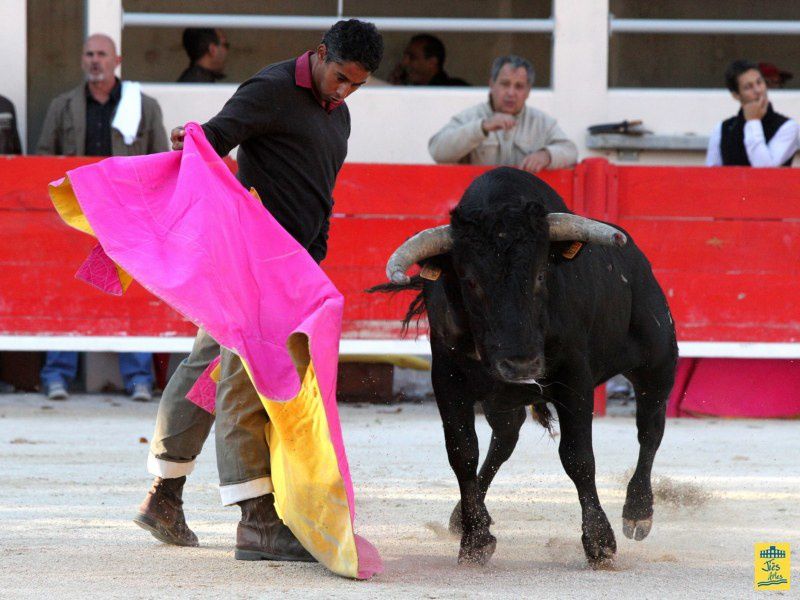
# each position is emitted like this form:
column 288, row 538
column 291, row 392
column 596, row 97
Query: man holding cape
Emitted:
column 292, row 126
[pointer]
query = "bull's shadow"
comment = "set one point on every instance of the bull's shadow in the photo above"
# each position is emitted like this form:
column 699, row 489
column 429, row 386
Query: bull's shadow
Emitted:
column 529, row 304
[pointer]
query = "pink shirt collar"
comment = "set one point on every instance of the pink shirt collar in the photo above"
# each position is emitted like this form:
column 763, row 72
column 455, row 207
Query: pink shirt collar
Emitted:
column 302, row 78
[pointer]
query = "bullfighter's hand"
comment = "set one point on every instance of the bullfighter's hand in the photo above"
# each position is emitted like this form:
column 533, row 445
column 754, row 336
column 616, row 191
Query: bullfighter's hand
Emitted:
column 176, row 136
column 756, row 109
column 498, row 121
column 535, row 162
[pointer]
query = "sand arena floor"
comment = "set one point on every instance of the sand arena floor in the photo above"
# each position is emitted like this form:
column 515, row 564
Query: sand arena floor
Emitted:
column 73, row 473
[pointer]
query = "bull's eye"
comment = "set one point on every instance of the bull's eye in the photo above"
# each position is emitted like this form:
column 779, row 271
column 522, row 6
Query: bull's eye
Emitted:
column 471, row 284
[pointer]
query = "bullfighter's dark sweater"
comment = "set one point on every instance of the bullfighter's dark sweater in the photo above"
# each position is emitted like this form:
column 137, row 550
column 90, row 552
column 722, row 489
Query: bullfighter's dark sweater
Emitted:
column 290, row 148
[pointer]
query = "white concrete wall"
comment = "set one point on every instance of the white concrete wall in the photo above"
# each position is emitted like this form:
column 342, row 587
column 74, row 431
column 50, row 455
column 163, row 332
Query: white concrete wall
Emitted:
column 13, row 59
column 393, row 125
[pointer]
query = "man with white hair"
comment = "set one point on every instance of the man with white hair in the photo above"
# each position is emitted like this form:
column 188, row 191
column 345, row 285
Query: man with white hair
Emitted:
column 103, row 116
column 504, row 130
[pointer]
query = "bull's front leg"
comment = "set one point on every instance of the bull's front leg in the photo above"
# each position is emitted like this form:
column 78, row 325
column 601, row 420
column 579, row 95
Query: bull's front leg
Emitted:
column 505, row 433
column 577, row 457
column 461, row 441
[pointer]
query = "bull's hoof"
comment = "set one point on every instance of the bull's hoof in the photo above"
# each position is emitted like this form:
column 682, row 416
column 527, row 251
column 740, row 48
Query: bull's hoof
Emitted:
column 637, row 516
column 637, row 530
column 598, row 539
column 456, row 526
column 600, row 555
column 477, row 549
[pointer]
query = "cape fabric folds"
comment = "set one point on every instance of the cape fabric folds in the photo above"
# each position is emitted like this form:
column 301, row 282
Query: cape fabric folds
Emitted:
column 185, row 228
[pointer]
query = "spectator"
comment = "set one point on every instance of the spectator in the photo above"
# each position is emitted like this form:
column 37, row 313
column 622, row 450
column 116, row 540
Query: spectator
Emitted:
column 757, row 136
column 423, row 64
column 503, row 130
column 773, row 76
column 207, row 50
column 9, row 135
column 101, row 117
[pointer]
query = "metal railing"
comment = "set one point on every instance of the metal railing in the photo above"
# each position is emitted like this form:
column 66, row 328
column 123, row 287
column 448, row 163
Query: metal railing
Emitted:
column 703, row 26
column 615, row 25
column 132, row 19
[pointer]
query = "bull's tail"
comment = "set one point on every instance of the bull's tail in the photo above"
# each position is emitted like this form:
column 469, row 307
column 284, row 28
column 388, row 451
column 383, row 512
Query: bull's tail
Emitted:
column 417, row 307
column 541, row 414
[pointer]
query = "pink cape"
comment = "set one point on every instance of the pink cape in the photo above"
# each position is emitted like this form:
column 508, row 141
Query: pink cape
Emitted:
column 185, row 228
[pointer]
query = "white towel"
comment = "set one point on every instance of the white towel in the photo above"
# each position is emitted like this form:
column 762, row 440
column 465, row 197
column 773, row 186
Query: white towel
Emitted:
column 129, row 111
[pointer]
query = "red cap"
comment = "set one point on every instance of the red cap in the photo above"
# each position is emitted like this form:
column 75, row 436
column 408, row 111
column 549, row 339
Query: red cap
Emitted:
column 770, row 71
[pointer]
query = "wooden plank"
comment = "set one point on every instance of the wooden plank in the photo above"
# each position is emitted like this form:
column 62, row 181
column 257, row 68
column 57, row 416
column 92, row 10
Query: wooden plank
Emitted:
column 722, row 307
column 23, row 180
column 370, row 241
column 719, row 246
column 416, row 190
column 722, row 193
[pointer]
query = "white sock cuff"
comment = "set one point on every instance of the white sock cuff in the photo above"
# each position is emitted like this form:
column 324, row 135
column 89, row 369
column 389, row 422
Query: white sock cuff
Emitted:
column 236, row 492
column 168, row 469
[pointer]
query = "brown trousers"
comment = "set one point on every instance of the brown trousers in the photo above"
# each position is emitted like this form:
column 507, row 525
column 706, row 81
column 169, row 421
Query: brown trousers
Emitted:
column 182, row 427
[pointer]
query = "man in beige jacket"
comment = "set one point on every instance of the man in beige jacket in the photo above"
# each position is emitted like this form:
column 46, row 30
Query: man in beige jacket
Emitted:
column 503, row 130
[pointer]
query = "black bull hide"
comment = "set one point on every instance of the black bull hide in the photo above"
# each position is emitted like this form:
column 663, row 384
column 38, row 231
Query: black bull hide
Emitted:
column 513, row 322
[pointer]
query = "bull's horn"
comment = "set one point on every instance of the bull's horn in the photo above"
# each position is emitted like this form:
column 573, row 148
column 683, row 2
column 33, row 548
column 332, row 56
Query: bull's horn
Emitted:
column 427, row 243
column 566, row 226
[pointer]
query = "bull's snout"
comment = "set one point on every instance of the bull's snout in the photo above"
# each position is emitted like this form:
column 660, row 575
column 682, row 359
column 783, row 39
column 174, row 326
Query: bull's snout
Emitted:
column 520, row 370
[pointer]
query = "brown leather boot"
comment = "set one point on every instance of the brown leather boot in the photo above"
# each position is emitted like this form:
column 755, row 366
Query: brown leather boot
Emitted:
column 261, row 534
column 161, row 513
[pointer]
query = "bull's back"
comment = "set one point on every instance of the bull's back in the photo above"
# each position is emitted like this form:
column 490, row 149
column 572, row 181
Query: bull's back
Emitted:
column 607, row 304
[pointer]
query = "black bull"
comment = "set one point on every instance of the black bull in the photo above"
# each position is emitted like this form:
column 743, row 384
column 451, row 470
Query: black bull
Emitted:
column 515, row 322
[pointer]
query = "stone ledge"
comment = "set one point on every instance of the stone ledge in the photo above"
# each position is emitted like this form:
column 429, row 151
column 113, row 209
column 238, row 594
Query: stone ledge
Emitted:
column 648, row 141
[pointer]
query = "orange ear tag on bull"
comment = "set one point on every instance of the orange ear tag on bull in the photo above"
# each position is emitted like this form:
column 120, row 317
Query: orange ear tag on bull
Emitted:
column 573, row 249
column 430, row 272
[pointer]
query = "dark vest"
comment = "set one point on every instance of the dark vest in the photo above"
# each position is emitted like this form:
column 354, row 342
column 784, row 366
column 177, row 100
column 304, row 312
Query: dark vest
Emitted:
column 732, row 140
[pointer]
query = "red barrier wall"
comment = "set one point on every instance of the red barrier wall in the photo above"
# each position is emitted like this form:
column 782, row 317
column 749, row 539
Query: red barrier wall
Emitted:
column 723, row 243
column 377, row 208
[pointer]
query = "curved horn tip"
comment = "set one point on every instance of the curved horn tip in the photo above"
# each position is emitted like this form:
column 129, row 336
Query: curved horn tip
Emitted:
column 620, row 239
column 399, row 278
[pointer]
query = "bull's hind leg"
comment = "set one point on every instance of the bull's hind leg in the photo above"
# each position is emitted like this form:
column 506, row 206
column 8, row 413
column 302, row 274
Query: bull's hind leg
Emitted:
column 652, row 386
column 505, row 434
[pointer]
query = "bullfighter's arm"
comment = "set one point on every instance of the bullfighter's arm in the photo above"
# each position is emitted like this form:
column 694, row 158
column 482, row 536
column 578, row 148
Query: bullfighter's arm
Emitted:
column 713, row 154
column 456, row 139
column 563, row 153
column 780, row 148
column 245, row 115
